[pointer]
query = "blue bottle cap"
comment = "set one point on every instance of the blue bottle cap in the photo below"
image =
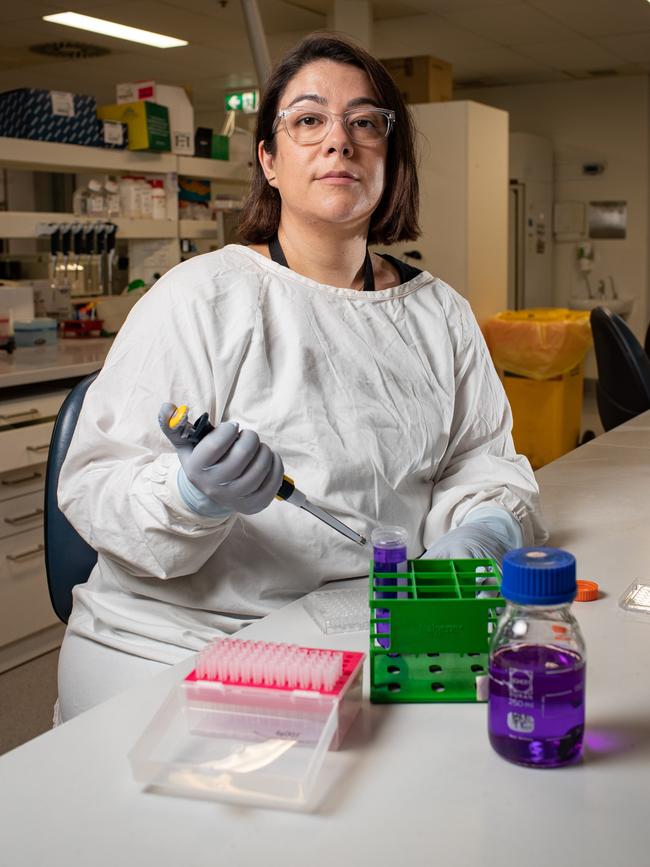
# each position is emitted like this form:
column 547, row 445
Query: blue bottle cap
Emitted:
column 539, row 576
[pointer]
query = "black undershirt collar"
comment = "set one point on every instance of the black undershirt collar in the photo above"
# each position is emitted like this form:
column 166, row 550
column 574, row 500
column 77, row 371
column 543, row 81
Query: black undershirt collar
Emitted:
column 406, row 272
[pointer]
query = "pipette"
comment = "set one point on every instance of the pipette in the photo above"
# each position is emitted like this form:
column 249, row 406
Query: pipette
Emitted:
column 287, row 491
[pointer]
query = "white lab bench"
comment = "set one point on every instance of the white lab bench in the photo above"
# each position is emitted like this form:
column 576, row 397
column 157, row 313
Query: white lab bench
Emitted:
column 413, row 784
column 33, row 384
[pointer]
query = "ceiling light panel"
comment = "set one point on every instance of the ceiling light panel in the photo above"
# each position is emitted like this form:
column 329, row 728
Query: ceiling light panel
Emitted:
column 111, row 28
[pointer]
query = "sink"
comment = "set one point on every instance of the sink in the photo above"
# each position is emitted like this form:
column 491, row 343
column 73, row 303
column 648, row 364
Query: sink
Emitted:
column 621, row 306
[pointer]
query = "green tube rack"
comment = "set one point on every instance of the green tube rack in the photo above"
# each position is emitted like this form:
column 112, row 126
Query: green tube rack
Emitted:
column 429, row 642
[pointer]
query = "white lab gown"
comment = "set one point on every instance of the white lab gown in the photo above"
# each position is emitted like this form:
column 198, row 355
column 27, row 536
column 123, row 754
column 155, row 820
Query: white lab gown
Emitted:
column 384, row 406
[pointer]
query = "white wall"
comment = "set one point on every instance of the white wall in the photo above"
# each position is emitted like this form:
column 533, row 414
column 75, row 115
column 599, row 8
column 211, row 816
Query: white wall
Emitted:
column 604, row 119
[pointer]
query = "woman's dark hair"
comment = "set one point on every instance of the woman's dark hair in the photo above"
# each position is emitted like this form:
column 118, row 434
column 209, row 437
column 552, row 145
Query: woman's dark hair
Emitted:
column 396, row 216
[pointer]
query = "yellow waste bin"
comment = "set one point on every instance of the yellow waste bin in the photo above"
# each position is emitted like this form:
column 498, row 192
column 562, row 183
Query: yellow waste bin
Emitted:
column 539, row 354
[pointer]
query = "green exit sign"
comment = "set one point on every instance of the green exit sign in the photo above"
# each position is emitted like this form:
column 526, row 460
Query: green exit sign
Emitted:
column 245, row 100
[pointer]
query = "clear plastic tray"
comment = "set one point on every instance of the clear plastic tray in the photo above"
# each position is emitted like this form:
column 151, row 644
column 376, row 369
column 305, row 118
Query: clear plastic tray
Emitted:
column 636, row 598
column 251, row 745
column 344, row 610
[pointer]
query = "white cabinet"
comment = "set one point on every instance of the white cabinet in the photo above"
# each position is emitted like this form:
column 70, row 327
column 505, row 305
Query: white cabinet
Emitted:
column 25, row 607
column 21, row 513
column 28, row 625
column 463, row 170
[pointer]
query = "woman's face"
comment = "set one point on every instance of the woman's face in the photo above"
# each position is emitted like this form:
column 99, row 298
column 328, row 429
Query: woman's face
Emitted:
column 306, row 174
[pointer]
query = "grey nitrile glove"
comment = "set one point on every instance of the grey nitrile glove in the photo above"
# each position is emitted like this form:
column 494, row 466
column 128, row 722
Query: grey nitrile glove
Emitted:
column 228, row 471
column 486, row 533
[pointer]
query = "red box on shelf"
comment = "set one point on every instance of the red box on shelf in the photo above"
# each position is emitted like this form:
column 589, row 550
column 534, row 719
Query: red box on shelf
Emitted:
column 82, row 327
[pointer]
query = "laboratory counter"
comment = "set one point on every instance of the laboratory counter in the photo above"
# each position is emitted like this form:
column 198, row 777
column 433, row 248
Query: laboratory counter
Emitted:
column 34, row 382
column 69, row 358
column 414, row 784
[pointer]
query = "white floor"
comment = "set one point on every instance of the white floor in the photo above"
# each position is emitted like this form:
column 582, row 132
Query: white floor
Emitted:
column 28, row 692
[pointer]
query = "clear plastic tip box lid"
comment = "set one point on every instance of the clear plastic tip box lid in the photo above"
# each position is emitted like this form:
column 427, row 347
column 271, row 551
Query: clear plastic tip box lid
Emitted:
column 252, row 724
column 636, row 598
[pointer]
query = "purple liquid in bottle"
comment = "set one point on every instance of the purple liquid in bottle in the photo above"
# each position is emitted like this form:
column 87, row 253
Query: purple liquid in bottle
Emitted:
column 536, row 710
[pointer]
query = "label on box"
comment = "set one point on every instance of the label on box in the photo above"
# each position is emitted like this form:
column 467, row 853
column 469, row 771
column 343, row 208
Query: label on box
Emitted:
column 183, row 142
column 62, row 103
column 132, row 91
column 113, row 133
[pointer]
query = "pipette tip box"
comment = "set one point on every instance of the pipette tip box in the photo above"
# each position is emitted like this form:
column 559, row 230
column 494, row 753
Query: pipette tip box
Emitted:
column 429, row 641
column 252, row 723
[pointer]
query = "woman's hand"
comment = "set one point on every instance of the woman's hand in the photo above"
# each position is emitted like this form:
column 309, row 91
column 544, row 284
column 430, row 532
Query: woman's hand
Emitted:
column 231, row 468
column 487, row 532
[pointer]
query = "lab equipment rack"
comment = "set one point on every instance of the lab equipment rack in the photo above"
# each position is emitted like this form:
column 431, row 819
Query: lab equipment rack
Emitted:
column 430, row 629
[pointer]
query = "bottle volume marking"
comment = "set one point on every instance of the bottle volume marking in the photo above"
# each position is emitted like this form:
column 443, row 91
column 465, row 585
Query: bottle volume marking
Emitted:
column 521, row 722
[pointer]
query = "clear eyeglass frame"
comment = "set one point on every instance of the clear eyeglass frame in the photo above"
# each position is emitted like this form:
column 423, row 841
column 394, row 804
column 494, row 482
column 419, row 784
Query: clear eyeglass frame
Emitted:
column 388, row 114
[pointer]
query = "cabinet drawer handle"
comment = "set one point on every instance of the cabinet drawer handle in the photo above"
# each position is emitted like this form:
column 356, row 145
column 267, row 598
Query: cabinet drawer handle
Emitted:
column 43, row 448
column 19, row 519
column 7, row 416
column 10, row 483
column 25, row 555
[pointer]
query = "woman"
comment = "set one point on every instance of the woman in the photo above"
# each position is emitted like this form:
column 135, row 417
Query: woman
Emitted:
column 368, row 381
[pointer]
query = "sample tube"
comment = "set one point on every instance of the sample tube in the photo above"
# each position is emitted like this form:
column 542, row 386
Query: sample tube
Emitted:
column 389, row 556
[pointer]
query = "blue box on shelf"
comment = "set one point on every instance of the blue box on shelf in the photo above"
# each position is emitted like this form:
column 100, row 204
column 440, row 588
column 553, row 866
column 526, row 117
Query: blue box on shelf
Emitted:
column 41, row 331
column 50, row 115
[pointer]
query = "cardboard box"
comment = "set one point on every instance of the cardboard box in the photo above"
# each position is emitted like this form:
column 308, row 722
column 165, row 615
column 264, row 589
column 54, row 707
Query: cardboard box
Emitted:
column 193, row 198
column 220, row 147
column 17, row 300
column 147, row 122
column 421, row 79
column 202, row 142
column 176, row 100
column 49, row 115
column 51, row 300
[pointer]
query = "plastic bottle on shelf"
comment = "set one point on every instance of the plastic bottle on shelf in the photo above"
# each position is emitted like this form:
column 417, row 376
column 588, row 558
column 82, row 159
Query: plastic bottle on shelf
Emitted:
column 129, row 197
column 158, row 199
column 536, row 702
column 96, row 200
column 146, row 200
column 80, row 201
column 112, row 198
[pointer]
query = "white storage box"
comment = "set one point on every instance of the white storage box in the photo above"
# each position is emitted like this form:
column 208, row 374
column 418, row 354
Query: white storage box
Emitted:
column 177, row 102
column 17, row 300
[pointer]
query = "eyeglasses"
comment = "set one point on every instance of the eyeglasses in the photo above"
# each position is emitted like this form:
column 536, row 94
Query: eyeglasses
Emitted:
column 363, row 125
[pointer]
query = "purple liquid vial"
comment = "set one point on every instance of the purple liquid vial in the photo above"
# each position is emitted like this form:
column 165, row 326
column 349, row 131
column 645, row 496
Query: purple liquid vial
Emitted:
column 389, row 555
column 536, row 701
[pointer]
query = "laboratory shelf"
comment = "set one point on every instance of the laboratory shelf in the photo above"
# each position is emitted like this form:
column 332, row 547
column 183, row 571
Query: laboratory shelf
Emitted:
column 145, row 228
column 25, row 224
column 52, row 156
column 194, row 230
column 214, row 170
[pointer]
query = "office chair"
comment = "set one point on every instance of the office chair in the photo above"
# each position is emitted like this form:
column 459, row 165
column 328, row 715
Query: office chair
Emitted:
column 69, row 560
column 623, row 387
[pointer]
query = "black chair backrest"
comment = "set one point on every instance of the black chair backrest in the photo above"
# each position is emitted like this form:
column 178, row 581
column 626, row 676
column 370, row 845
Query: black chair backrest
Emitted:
column 623, row 388
column 69, row 560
